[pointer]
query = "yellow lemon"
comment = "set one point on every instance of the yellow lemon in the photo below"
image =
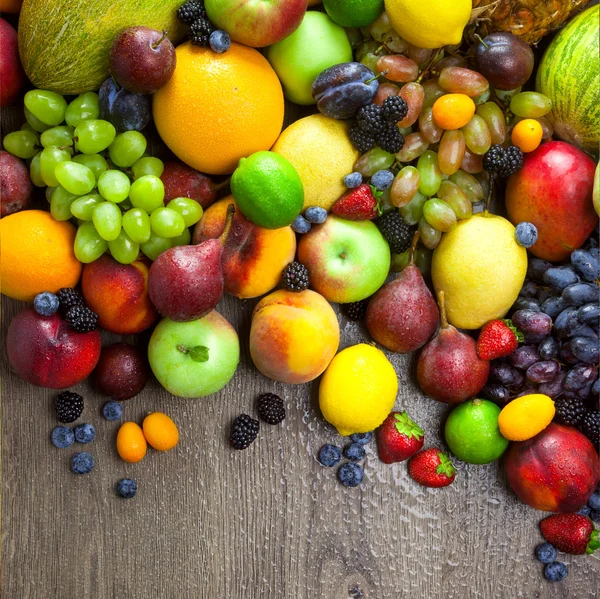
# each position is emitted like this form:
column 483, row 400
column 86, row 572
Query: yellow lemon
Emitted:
column 526, row 416
column 430, row 24
column 321, row 151
column 358, row 389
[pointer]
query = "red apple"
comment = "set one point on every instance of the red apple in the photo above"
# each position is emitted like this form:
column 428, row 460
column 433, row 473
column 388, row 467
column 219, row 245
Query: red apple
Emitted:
column 12, row 76
column 553, row 191
column 258, row 23
column 15, row 184
column 182, row 181
column 45, row 351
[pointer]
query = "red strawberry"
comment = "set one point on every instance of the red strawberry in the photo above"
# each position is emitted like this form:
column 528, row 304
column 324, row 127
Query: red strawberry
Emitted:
column 359, row 203
column 498, row 338
column 398, row 438
column 571, row 533
column 431, row 468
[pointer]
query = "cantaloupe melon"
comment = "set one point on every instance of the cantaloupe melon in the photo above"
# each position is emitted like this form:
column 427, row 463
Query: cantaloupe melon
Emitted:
column 64, row 44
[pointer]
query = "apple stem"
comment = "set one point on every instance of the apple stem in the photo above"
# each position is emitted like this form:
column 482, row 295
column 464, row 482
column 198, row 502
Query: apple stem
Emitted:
column 160, row 41
column 228, row 222
column 478, row 37
column 413, row 247
column 198, row 353
column 442, row 305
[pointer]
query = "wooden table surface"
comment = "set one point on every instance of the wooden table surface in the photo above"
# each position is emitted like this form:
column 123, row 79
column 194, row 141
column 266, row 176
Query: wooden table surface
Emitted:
column 209, row 522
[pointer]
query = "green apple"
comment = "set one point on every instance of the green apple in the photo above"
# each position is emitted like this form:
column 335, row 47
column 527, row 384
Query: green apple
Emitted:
column 347, row 261
column 196, row 358
column 316, row 45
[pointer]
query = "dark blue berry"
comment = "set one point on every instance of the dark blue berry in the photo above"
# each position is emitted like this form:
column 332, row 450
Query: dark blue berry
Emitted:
column 85, row 433
column 46, row 303
column 301, row 225
column 82, row 463
column 382, row 179
column 585, row 511
column 62, row 437
column 546, row 553
column 126, row 488
column 350, row 474
column 361, row 438
column 330, row 455
column 112, row 410
column 595, row 515
column 316, row 215
column 594, row 501
column 555, row 571
column 526, row 234
column 353, row 180
column 354, row 452
column 219, row 41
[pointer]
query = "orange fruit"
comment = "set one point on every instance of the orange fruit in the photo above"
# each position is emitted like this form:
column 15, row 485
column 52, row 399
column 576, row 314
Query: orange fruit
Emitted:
column 218, row 108
column 527, row 135
column 10, row 6
column 36, row 255
column 131, row 443
column 160, row 431
column 526, row 416
column 453, row 111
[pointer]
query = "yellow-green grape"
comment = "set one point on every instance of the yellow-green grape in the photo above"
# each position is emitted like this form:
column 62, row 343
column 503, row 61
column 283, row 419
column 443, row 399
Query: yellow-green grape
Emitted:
column 95, row 162
column 27, row 127
column 371, row 47
column 83, row 108
column 493, row 116
column 127, row 148
column 414, row 146
column 456, row 199
column 469, row 185
column 155, row 246
column 182, row 239
column 482, row 98
column 477, row 135
column 405, row 186
column 57, row 136
column 439, row 215
column 430, row 236
column 372, row 161
column 451, row 151
column 422, row 261
column 431, row 175
column 148, row 165
column 380, row 28
column 370, row 61
column 433, row 91
column 35, row 172
column 107, row 220
column 530, row 105
column 50, row 158
column 505, row 95
column 49, row 107
column 89, row 246
column 49, row 193
column 22, row 144
column 34, row 122
column 166, row 222
column 136, row 223
column 93, row 136
column 75, row 178
column 82, row 208
column 123, row 249
column 60, row 204
column 413, row 211
column 114, row 186
column 190, row 210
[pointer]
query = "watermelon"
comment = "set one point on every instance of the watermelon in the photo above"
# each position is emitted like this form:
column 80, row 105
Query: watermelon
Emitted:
column 569, row 74
column 64, row 44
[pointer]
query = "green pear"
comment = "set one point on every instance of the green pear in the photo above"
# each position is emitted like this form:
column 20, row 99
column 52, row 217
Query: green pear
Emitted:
column 480, row 268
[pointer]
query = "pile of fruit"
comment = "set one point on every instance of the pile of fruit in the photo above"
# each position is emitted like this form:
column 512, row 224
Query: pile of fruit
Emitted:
column 445, row 191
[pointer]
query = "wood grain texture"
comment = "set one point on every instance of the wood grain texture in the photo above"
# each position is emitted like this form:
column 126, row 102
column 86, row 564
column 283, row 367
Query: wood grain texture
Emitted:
column 269, row 522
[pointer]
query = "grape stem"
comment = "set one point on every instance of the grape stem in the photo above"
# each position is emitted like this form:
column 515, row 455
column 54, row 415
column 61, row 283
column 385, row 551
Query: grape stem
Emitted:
column 432, row 62
column 155, row 45
column 382, row 74
column 442, row 305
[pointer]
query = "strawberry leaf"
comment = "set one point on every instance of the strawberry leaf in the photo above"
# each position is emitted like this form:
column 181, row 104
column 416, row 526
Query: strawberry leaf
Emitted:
column 377, row 193
column 593, row 543
column 509, row 323
column 407, row 427
column 445, row 466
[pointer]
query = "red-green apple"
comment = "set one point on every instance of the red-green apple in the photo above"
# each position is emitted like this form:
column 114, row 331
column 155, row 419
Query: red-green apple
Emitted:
column 196, row 358
column 347, row 260
column 316, row 45
column 256, row 23
column 553, row 191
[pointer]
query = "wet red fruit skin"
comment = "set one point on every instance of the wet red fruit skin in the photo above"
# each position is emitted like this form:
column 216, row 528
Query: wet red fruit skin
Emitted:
column 555, row 471
column 15, row 184
column 122, row 371
column 45, row 351
column 182, row 181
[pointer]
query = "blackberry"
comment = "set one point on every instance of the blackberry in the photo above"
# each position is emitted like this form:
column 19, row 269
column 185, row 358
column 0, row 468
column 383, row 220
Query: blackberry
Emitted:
column 191, row 11
column 81, row 319
column 271, row 408
column 243, row 431
column 590, row 426
column 390, row 139
column 569, row 411
column 200, row 31
column 493, row 160
column 370, row 118
column 395, row 230
column 355, row 310
column 513, row 161
column 394, row 109
column 295, row 277
column 69, row 406
column 362, row 140
column 69, row 297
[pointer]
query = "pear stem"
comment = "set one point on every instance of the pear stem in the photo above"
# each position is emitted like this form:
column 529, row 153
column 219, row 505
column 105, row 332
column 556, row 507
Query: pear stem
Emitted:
column 413, row 247
column 228, row 223
column 442, row 305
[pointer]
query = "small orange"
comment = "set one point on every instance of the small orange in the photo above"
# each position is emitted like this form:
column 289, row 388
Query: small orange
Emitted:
column 36, row 255
column 160, row 431
column 453, row 111
column 527, row 135
column 131, row 443
column 526, row 416
column 218, row 108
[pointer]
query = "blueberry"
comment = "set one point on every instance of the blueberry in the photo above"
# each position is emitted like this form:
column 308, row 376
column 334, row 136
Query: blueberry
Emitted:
column 316, row 215
column 219, row 41
column 301, row 225
column 595, row 515
column 361, row 438
column 85, row 433
column 82, row 463
column 594, row 501
column 112, row 410
column 126, row 488
column 353, row 180
column 546, row 553
column 45, row 304
column 585, row 510
column 354, row 452
column 62, row 437
column 555, row 571
column 382, row 179
column 329, row 455
column 350, row 474
column 526, row 234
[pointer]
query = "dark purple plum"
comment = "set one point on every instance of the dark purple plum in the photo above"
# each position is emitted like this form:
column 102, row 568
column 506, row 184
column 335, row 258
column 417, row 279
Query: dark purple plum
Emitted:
column 126, row 111
column 122, row 371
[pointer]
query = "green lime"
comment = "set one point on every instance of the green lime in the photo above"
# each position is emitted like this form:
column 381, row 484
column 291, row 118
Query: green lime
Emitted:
column 472, row 432
column 268, row 190
column 353, row 13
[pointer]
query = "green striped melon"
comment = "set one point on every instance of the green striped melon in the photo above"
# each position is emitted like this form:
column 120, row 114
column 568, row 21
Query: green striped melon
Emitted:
column 64, row 44
column 569, row 74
